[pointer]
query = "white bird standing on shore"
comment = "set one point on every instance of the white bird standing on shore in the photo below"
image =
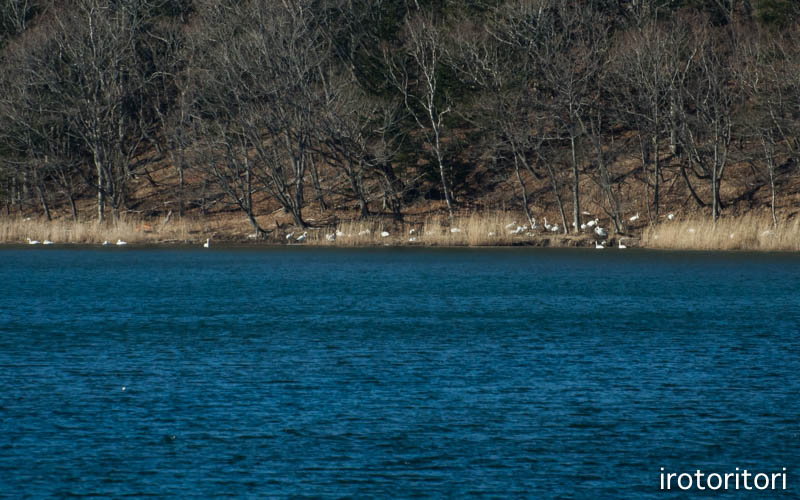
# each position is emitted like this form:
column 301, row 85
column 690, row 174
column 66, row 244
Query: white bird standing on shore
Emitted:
column 634, row 218
column 546, row 225
column 120, row 242
column 592, row 223
column 331, row 237
column 289, row 236
column 207, row 244
column 302, row 237
column 598, row 245
column 621, row 246
column 384, row 234
column 106, row 243
column 599, row 231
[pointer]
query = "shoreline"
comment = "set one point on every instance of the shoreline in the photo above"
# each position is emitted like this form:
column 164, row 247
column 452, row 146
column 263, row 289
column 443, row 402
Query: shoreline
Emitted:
column 494, row 230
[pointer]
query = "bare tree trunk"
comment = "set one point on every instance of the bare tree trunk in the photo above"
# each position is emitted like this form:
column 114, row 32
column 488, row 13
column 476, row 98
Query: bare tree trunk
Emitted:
column 43, row 200
column 576, row 207
column 524, row 192
column 100, row 189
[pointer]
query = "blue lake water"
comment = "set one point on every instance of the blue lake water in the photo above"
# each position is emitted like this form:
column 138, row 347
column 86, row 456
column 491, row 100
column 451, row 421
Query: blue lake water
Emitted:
column 393, row 372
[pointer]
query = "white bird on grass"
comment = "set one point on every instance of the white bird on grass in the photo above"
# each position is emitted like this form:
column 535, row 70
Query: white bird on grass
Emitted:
column 634, row 218
column 302, row 237
column 412, row 239
column 339, row 233
column 363, row 232
column 384, row 234
column 455, row 230
column 554, row 228
column 583, row 227
column 207, row 244
column 120, row 242
column 512, row 225
column 546, row 225
column 671, row 217
column 289, row 236
column 599, row 231
column 592, row 223
column 331, row 237
column 33, row 242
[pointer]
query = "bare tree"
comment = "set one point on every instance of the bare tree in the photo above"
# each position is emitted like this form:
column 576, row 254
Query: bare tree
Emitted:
column 416, row 74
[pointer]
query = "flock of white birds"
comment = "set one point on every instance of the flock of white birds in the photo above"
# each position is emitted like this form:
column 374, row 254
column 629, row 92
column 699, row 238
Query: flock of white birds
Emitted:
column 512, row 228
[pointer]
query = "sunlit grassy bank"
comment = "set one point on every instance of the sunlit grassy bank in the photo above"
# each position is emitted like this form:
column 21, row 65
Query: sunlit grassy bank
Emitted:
column 478, row 229
column 128, row 229
column 746, row 232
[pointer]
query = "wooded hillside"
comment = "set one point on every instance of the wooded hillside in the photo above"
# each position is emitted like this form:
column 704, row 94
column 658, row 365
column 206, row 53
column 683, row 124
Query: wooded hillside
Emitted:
column 378, row 106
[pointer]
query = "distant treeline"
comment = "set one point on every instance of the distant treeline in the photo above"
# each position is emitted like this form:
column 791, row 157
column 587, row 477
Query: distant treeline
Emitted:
column 386, row 102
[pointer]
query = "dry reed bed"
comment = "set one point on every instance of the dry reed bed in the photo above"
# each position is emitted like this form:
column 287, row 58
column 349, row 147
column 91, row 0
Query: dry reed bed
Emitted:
column 491, row 229
column 128, row 229
column 747, row 232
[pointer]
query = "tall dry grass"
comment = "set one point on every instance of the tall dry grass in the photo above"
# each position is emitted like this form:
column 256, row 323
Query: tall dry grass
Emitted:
column 746, row 232
column 477, row 229
column 129, row 229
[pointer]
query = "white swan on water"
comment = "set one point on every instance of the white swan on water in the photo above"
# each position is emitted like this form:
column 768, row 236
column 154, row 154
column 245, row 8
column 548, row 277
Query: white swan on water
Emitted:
column 207, row 244
column 621, row 246
column 47, row 242
column 598, row 245
column 33, row 242
column 120, row 242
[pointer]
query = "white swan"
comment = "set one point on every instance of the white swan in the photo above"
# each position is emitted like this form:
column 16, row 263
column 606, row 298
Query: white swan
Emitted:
column 289, row 236
column 534, row 225
column 106, row 243
column 412, row 231
column 592, row 223
column 554, row 228
column 364, row 232
column 331, row 237
column 384, row 234
column 671, row 217
column 120, row 242
column 47, row 242
column 339, row 233
column 412, row 239
column 33, row 242
column 512, row 225
column 621, row 246
column 207, row 244
column 546, row 225
column 634, row 218
column 599, row 231
column 583, row 227
column 598, row 245
column 455, row 230
column 302, row 237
